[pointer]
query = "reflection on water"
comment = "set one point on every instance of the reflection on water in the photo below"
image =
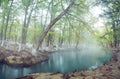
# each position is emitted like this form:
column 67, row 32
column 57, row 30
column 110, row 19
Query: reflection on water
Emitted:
column 62, row 61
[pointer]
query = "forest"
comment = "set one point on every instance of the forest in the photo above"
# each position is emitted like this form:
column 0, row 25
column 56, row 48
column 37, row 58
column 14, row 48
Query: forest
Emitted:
column 59, row 39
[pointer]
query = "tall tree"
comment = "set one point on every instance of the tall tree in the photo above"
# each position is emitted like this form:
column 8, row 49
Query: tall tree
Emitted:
column 112, row 14
column 7, row 19
column 6, row 7
column 44, row 33
column 27, row 18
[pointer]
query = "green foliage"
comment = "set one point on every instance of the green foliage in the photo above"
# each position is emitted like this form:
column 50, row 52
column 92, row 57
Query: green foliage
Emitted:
column 70, row 27
column 26, row 2
column 112, row 13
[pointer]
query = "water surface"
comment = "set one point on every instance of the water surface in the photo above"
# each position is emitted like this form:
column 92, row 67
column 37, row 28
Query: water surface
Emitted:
column 62, row 61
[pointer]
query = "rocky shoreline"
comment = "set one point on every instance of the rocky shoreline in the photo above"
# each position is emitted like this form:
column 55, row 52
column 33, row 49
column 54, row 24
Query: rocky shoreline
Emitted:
column 110, row 70
column 22, row 58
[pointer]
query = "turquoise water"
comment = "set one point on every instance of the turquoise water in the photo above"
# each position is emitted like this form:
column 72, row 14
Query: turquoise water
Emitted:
column 62, row 61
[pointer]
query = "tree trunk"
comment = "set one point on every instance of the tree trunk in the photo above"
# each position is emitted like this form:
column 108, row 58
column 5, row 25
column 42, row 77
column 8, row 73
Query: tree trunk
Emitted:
column 7, row 20
column 26, row 24
column 44, row 33
column 24, row 28
column 2, row 27
column 10, row 29
column 114, row 34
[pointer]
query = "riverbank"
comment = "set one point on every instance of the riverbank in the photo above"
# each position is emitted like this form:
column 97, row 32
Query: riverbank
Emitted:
column 22, row 58
column 25, row 57
column 110, row 70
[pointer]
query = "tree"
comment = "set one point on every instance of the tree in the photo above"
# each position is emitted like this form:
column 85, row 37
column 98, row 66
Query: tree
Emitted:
column 6, row 7
column 27, row 18
column 112, row 14
column 7, row 20
column 44, row 33
column 50, row 22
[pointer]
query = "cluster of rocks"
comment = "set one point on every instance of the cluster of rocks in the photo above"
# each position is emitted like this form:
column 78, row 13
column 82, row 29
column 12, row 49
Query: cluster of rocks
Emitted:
column 21, row 58
column 110, row 70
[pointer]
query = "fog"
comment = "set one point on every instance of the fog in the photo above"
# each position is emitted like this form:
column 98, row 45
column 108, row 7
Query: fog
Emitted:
column 89, row 55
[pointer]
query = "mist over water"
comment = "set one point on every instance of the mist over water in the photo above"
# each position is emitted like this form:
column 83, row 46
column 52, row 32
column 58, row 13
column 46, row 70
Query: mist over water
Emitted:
column 78, row 59
column 89, row 55
column 64, row 61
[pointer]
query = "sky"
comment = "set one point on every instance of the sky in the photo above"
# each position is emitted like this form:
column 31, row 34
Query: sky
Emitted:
column 96, row 11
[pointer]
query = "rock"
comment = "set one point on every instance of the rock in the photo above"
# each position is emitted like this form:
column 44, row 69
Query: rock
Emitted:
column 48, row 76
column 14, row 60
column 78, row 77
column 25, row 77
column 1, row 57
column 89, row 77
column 21, row 58
column 24, row 53
column 10, row 59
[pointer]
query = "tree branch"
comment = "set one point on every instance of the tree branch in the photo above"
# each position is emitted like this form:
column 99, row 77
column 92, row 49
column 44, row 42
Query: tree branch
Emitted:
column 44, row 33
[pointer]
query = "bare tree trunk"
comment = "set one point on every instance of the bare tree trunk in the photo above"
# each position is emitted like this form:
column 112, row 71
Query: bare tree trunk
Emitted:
column 47, row 14
column 35, row 26
column 114, row 34
column 26, row 24
column 44, row 33
column 7, row 20
column 10, row 29
column 2, row 27
column 24, row 28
